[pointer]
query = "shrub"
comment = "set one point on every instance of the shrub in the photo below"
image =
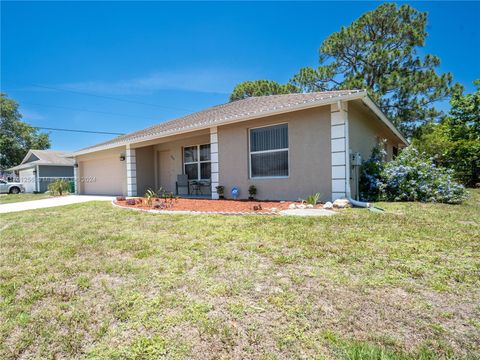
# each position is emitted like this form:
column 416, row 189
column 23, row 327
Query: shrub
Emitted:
column 120, row 198
column 370, row 173
column 131, row 202
column 313, row 199
column 220, row 191
column 58, row 187
column 252, row 191
column 413, row 176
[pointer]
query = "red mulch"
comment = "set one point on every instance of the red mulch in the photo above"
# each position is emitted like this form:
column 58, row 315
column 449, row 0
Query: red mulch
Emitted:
column 207, row 205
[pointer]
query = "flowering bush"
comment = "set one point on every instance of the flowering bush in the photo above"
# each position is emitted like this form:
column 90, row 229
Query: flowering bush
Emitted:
column 371, row 172
column 412, row 176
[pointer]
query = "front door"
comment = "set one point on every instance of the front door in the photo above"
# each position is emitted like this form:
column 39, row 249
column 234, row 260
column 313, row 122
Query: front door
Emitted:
column 165, row 170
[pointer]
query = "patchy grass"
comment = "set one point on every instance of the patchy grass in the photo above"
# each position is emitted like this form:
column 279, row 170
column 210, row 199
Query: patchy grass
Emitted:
column 13, row 198
column 92, row 281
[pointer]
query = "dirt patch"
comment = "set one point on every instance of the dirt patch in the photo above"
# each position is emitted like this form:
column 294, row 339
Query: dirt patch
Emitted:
column 207, row 205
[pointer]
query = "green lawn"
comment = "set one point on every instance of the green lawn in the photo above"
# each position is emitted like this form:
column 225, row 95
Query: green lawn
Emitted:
column 13, row 198
column 93, row 281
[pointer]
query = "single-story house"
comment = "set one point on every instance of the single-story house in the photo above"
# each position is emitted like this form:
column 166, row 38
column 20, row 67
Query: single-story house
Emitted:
column 287, row 146
column 40, row 167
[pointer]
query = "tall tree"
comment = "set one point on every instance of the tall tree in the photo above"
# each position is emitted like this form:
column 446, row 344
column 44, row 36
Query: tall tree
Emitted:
column 260, row 88
column 16, row 136
column 379, row 52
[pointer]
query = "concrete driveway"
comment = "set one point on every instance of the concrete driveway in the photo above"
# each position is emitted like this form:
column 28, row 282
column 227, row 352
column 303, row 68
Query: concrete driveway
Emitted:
column 52, row 202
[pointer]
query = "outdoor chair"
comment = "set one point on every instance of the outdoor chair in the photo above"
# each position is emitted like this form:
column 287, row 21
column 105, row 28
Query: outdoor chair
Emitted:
column 182, row 182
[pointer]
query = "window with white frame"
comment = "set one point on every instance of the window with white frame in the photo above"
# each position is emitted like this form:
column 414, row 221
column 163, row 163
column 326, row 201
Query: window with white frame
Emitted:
column 269, row 151
column 196, row 162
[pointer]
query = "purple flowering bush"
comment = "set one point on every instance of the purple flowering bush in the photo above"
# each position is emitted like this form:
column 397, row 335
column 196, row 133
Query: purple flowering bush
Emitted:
column 413, row 176
column 370, row 173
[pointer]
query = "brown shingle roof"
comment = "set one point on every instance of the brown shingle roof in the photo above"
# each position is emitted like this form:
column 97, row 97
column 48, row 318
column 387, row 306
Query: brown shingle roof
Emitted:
column 216, row 115
column 44, row 157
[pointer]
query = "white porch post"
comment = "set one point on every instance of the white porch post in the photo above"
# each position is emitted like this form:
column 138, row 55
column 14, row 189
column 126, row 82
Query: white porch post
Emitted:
column 131, row 172
column 214, row 161
column 339, row 150
column 37, row 179
column 75, row 178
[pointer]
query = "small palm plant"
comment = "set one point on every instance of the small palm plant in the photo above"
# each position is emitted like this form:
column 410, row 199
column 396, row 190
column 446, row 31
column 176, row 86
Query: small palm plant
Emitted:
column 313, row 199
column 149, row 196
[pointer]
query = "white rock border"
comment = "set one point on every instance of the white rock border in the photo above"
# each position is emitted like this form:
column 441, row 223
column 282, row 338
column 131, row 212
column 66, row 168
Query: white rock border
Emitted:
column 187, row 212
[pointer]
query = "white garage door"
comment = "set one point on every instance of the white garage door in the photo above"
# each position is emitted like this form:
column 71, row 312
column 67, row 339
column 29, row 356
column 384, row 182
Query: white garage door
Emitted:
column 105, row 176
column 27, row 178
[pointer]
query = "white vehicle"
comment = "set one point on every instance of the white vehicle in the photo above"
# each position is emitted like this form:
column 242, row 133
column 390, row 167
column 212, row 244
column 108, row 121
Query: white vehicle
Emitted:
column 11, row 187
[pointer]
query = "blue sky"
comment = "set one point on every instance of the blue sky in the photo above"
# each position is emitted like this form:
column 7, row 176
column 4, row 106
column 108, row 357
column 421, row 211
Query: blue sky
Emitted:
column 170, row 59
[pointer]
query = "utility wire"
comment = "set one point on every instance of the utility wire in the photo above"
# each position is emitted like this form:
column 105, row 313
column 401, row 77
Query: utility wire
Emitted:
column 79, row 131
column 133, row 117
column 108, row 97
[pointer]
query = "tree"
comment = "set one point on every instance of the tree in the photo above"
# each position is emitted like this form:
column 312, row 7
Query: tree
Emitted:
column 455, row 141
column 16, row 136
column 378, row 52
column 260, row 88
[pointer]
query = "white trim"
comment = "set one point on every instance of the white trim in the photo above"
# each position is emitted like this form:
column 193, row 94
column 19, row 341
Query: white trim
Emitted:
column 75, row 180
column 37, row 178
column 241, row 118
column 339, row 150
column 268, row 151
column 130, row 158
column 214, row 163
column 199, row 162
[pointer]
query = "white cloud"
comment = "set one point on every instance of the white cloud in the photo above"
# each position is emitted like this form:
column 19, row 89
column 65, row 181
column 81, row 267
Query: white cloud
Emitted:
column 195, row 80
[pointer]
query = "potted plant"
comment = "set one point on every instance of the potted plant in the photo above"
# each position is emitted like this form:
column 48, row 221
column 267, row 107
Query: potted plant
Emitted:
column 252, row 191
column 220, row 191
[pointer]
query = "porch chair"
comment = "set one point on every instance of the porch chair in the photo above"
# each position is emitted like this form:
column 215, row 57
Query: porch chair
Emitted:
column 182, row 182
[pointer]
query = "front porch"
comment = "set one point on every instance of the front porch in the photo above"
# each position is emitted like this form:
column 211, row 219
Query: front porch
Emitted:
column 186, row 165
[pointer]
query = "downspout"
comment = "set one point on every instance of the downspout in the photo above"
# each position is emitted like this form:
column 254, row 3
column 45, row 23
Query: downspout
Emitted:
column 348, row 192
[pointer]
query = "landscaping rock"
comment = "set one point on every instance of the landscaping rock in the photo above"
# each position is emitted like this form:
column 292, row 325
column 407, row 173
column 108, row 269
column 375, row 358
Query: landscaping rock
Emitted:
column 309, row 206
column 341, row 203
column 301, row 206
column 328, row 205
column 292, row 206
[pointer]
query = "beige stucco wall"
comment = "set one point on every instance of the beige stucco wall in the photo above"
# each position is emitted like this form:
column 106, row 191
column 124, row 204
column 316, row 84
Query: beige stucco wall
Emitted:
column 365, row 131
column 309, row 156
column 109, row 173
column 145, row 169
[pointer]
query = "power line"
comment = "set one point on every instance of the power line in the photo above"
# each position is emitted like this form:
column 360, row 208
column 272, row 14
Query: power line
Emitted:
column 133, row 117
column 108, row 97
column 79, row 131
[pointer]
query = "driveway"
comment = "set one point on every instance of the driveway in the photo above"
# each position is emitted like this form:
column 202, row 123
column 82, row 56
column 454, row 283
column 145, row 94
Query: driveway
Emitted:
column 52, row 202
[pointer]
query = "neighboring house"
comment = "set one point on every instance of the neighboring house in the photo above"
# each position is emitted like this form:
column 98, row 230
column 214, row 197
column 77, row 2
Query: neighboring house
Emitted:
column 288, row 146
column 40, row 167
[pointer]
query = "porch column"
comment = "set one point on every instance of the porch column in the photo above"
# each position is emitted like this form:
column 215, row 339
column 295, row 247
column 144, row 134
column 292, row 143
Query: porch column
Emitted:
column 75, row 178
column 214, row 161
column 339, row 150
column 37, row 178
column 131, row 172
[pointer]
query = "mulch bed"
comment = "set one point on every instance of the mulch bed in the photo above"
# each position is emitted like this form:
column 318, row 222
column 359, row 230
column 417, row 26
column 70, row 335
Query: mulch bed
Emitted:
column 207, row 205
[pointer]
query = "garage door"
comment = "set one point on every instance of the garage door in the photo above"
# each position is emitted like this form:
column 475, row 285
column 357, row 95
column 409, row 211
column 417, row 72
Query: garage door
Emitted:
column 27, row 178
column 106, row 176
